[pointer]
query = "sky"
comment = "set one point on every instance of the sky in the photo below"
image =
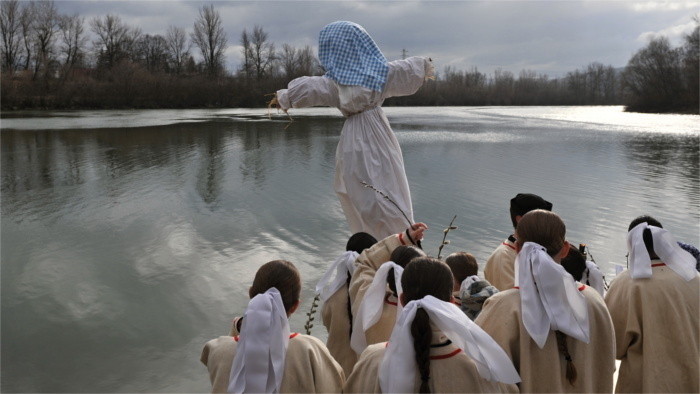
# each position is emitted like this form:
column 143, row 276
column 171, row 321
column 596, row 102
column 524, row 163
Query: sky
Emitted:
column 548, row 37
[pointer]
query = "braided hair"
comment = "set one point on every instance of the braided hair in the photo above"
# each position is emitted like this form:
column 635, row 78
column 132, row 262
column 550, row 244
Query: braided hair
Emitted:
column 425, row 276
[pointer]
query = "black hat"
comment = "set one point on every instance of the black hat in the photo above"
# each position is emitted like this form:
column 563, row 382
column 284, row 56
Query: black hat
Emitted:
column 525, row 202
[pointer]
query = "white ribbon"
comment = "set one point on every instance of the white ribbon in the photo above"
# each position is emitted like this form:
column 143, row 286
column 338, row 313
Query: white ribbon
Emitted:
column 549, row 296
column 373, row 303
column 665, row 246
column 259, row 362
column 397, row 372
column 344, row 264
column 593, row 277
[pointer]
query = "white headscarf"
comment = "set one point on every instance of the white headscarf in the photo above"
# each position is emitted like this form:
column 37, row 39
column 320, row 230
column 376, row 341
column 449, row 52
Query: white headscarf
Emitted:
column 344, row 264
column 665, row 246
column 549, row 296
column 259, row 362
column 593, row 277
column 373, row 303
column 397, row 372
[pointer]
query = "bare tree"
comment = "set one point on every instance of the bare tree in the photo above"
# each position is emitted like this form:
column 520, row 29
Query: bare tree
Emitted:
column 691, row 66
column 152, row 51
column 73, row 39
column 178, row 47
column 10, row 28
column 45, row 28
column 653, row 77
column 115, row 40
column 26, row 21
column 263, row 52
column 246, row 67
column 210, row 38
column 289, row 61
column 307, row 62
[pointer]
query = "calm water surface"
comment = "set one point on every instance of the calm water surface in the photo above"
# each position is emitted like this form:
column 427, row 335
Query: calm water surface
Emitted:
column 129, row 238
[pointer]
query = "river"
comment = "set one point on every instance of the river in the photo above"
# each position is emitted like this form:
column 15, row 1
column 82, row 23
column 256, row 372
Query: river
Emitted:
column 130, row 238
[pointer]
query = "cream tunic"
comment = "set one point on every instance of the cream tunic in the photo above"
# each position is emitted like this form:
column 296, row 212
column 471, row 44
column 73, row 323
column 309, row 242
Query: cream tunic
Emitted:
column 500, row 266
column 335, row 317
column 308, row 367
column 544, row 370
column 366, row 267
column 451, row 371
column 368, row 149
column 657, row 331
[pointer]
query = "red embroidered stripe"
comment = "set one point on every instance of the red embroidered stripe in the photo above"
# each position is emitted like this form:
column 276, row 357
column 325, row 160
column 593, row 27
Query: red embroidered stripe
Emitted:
column 446, row 355
column 401, row 239
column 386, row 300
column 658, row 265
column 237, row 337
column 516, row 287
column 510, row 246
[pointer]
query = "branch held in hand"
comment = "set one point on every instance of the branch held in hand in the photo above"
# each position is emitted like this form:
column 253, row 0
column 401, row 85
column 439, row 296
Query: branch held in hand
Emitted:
column 444, row 236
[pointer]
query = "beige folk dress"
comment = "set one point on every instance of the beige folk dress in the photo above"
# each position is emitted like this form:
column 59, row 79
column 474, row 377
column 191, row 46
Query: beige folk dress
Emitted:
column 308, row 367
column 657, row 330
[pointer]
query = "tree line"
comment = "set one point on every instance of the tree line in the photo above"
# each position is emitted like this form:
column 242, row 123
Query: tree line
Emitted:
column 56, row 61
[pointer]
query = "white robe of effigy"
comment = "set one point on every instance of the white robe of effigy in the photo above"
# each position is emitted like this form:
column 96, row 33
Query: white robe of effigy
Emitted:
column 368, row 149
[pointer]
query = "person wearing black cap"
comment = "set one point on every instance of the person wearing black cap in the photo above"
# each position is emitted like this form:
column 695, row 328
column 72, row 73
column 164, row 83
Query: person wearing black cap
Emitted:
column 500, row 266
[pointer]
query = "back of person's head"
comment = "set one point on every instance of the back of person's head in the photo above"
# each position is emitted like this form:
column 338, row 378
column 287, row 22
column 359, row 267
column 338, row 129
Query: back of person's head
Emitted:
column 425, row 276
column 283, row 276
column 574, row 263
column 646, row 235
column 462, row 265
column 542, row 227
column 523, row 203
column 359, row 242
column 401, row 256
column 548, row 230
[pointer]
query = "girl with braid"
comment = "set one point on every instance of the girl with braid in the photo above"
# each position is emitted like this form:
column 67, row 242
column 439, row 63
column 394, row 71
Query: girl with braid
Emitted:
column 557, row 331
column 336, row 312
column 434, row 347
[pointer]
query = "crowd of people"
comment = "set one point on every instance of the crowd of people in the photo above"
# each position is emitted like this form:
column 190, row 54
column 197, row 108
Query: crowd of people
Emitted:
column 401, row 321
column 538, row 320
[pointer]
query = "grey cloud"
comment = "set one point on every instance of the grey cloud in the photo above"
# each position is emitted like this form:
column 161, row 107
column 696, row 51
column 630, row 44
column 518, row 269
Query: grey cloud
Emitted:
column 550, row 37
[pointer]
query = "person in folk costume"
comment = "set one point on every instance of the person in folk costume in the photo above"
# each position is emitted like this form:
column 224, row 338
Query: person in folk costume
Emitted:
column 654, row 306
column 357, row 81
column 558, row 332
column 584, row 271
column 469, row 290
column 336, row 312
column 500, row 266
column 376, row 285
column 266, row 357
column 434, row 347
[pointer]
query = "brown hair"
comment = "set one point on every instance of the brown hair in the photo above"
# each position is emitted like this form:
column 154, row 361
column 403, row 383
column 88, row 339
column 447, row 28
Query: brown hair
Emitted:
column 425, row 276
column 547, row 229
column 357, row 243
column 281, row 275
column 401, row 256
column 542, row 227
column 462, row 265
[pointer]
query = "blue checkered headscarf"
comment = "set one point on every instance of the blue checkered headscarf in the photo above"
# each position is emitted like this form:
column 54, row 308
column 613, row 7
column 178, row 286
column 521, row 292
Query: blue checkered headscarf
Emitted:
column 350, row 56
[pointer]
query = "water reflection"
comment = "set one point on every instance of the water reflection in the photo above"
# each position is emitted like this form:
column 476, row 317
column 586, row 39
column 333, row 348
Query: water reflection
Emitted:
column 125, row 249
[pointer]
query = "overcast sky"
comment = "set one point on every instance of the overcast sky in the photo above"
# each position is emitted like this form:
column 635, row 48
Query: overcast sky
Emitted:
column 550, row 37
